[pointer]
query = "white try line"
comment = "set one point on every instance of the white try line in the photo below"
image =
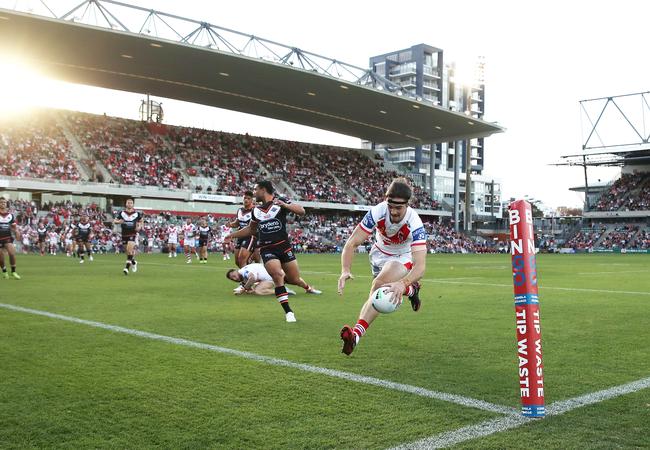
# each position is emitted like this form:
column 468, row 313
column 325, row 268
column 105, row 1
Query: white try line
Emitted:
column 444, row 396
column 493, row 426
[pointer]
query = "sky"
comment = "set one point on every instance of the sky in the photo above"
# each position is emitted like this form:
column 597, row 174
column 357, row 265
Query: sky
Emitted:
column 541, row 59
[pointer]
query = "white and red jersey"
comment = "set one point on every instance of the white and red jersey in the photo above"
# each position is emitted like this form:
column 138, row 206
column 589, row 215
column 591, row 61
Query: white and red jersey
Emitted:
column 54, row 237
column 225, row 230
column 257, row 270
column 188, row 231
column 172, row 233
column 394, row 238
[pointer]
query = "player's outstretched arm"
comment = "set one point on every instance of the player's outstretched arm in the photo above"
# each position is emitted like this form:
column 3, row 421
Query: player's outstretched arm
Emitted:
column 357, row 238
column 295, row 208
column 244, row 232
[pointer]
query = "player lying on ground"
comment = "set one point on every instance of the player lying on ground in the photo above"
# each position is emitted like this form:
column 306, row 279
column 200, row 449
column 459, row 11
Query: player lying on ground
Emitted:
column 253, row 279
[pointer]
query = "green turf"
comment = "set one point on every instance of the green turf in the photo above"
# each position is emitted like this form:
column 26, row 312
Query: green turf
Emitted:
column 69, row 385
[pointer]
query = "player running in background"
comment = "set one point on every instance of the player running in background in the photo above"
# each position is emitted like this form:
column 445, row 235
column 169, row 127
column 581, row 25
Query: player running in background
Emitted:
column 245, row 247
column 253, row 279
column 397, row 259
column 189, row 229
column 53, row 238
column 26, row 232
column 7, row 225
column 82, row 232
column 42, row 229
column 131, row 222
column 204, row 238
column 269, row 223
column 67, row 238
column 225, row 229
column 172, row 239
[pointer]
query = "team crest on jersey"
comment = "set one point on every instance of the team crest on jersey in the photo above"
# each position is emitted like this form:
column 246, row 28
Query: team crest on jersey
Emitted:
column 129, row 217
column 9, row 218
column 266, row 215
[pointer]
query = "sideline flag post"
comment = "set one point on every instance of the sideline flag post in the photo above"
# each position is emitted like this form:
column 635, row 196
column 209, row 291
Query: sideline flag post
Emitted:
column 529, row 331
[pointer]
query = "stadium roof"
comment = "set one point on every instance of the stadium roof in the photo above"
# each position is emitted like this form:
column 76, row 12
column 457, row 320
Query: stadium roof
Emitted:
column 624, row 155
column 121, row 60
column 616, row 134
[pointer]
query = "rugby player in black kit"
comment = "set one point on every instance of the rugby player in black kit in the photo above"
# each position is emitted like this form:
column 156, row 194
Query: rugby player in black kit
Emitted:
column 131, row 221
column 245, row 248
column 82, row 232
column 269, row 224
column 7, row 225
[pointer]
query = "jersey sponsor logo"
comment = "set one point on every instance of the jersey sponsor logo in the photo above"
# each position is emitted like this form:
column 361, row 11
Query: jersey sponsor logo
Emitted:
column 420, row 234
column 368, row 221
column 270, row 226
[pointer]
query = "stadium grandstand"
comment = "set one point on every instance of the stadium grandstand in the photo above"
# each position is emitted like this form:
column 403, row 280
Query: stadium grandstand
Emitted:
column 65, row 158
column 616, row 215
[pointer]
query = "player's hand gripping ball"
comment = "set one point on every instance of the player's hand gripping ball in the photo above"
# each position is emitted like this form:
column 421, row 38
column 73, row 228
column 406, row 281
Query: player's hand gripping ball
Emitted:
column 381, row 301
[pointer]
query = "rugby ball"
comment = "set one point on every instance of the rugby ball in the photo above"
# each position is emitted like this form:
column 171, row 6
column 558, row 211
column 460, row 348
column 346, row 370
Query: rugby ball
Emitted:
column 381, row 301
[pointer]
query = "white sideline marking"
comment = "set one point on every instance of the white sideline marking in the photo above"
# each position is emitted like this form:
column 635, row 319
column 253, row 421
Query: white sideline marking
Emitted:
column 601, row 291
column 617, row 273
column 493, row 426
column 451, row 398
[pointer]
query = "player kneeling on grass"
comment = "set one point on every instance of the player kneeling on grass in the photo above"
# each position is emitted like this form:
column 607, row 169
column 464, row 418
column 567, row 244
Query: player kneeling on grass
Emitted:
column 397, row 258
column 253, row 279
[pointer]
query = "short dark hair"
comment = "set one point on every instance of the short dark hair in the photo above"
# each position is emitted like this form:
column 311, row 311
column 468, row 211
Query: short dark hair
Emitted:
column 399, row 188
column 248, row 194
column 267, row 185
column 229, row 272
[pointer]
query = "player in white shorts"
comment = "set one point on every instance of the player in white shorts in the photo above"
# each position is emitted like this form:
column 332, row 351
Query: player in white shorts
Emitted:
column 253, row 279
column 397, row 259
column 26, row 239
column 54, row 241
column 225, row 230
column 172, row 239
column 69, row 243
column 188, row 239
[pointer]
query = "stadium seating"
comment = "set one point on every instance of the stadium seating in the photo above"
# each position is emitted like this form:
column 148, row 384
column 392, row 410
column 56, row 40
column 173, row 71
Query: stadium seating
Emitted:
column 232, row 162
column 216, row 157
column 36, row 148
column 131, row 154
column 586, row 238
column 631, row 192
column 620, row 237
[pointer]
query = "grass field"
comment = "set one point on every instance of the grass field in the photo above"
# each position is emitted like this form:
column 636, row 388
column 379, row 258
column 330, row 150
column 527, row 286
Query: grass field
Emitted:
column 74, row 385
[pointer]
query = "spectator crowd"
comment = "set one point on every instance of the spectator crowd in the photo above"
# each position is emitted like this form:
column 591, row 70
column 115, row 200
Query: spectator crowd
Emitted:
column 191, row 158
column 35, row 147
column 631, row 192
